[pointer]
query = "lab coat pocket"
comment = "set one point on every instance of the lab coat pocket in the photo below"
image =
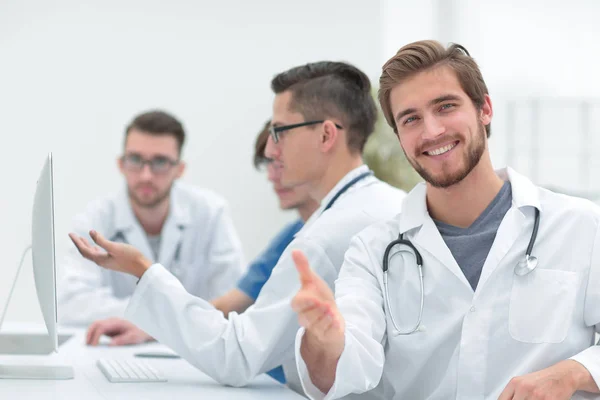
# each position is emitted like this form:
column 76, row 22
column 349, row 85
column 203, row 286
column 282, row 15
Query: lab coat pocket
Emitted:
column 541, row 305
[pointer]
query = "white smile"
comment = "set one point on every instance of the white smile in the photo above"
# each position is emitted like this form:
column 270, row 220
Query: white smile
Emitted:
column 441, row 150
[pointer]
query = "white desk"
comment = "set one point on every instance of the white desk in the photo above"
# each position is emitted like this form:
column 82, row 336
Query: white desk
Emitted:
column 184, row 381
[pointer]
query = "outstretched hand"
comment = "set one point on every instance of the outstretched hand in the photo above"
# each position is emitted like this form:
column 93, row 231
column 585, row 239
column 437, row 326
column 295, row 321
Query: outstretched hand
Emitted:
column 119, row 257
column 316, row 308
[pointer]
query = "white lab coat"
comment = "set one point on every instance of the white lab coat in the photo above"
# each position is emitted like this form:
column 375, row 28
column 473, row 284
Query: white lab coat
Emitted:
column 199, row 245
column 473, row 343
column 234, row 351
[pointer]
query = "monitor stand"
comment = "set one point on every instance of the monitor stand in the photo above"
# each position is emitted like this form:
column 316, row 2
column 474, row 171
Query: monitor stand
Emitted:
column 28, row 343
column 28, row 371
column 52, row 372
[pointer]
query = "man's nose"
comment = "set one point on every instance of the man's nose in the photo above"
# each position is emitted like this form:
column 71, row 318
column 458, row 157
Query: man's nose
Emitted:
column 433, row 127
column 146, row 172
column 272, row 149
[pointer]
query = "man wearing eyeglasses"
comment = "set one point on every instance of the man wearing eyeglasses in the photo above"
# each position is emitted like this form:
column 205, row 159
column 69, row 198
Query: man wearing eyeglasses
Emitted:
column 248, row 288
column 323, row 114
column 290, row 198
column 186, row 229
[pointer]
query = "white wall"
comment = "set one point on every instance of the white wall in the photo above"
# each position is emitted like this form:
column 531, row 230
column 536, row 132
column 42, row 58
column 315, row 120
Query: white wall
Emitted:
column 545, row 50
column 73, row 73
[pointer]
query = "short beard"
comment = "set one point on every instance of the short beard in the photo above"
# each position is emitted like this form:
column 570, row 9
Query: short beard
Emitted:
column 473, row 156
column 160, row 198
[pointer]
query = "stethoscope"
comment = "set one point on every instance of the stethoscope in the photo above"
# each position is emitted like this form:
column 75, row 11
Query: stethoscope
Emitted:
column 346, row 187
column 523, row 267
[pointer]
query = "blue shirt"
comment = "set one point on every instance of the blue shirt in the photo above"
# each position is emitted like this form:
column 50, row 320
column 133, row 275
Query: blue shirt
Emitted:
column 260, row 271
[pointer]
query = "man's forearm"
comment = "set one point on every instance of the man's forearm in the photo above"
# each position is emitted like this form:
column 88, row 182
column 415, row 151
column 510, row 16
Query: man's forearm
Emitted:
column 321, row 361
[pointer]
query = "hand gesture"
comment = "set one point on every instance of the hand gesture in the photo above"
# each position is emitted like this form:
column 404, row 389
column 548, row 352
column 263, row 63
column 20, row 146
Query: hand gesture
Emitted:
column 111, row 255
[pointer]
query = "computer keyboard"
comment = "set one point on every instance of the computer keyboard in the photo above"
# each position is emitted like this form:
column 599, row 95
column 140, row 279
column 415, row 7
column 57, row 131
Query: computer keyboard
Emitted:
column 129, row 371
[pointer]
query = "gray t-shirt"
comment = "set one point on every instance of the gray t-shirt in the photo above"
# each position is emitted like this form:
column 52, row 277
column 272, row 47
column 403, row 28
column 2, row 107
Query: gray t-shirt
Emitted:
column 154, row 242
column 470, row 246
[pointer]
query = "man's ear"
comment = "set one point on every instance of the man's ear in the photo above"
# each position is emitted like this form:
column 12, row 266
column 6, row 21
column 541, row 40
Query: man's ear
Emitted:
column 120, row 165
column 486, row 111
column 180, row 169
column 330, row 135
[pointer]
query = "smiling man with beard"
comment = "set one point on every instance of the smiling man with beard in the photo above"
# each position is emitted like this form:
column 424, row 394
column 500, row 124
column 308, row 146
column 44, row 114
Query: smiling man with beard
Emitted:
column 484, row 286
column 187, row 229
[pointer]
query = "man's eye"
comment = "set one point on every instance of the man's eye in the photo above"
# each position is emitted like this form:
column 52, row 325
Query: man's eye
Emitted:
column 134, row 159
column 409, row 120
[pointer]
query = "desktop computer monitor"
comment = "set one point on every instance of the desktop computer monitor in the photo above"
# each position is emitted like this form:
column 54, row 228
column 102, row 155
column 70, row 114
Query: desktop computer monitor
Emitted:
column 42, row 249
column 44, row 271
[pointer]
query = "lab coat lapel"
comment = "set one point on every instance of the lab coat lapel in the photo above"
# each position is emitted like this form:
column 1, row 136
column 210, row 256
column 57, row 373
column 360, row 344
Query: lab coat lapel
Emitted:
column 127, row 224
column 136, row 237
column 170, row 245
column 430, row 240
column 525, row 199
column 173, row 230
column 424, row 233
column 509, row 231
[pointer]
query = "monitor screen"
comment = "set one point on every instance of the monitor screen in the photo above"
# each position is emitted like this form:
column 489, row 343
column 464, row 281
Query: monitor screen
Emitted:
column 42, row 248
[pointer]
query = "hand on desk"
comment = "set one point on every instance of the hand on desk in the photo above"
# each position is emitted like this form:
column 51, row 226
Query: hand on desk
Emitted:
column 557, row 382
column 119, row 257
column 122, row 332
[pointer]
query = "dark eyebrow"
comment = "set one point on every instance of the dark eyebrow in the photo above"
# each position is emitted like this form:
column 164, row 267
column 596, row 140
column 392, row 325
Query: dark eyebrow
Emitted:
column 404, row 113
column 433, row 102
column 441, row 99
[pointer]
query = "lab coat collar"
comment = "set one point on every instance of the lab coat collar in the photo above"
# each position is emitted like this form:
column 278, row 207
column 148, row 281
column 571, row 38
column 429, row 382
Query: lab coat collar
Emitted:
column 178, row 219
column 172, row 232
column 415, row 216
column 347, row 178
column 124, row 216
column 414, row 210
column 524, row 192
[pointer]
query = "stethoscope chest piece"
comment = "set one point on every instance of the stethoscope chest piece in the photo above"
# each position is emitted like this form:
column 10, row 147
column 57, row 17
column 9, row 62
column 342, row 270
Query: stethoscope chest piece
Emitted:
column 529, row 263
column 526, row 265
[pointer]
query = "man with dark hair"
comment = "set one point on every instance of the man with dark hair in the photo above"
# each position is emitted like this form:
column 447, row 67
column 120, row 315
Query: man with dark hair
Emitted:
column 322, row 114
column 187, row 229
column 249, row 286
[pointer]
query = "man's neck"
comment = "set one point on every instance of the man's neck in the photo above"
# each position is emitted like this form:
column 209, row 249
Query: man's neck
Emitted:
column 461, row 204
column 152, row 219
column 307, row 209
column 337, row 170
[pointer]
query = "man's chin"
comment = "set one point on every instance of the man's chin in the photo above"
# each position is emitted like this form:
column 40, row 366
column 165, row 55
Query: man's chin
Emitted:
column 289, row 205
column 444, row 181
column 147, row 202
column 284, row 206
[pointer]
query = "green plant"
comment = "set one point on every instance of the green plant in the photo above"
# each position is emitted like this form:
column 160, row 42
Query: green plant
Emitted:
column 385, row 157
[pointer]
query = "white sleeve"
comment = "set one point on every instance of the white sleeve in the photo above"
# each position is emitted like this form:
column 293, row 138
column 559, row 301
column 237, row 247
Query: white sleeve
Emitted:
column 82, row 295
column 226, row 257
column 360, row 300
column 590, row 357
column 232, row 351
